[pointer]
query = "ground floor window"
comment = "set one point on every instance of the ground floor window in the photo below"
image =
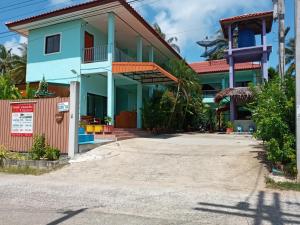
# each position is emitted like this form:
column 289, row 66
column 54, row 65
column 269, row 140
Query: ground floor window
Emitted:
column 96, row 106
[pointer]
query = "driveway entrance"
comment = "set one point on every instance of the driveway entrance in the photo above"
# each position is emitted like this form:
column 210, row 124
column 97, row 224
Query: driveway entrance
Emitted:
column 180, row 179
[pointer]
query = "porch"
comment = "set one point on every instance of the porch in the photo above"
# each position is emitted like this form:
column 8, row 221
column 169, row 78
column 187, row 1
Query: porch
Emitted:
column 121, row 98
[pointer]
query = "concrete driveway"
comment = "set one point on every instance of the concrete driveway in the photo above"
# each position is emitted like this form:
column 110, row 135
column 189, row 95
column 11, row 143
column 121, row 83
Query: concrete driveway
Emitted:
column 181, row 179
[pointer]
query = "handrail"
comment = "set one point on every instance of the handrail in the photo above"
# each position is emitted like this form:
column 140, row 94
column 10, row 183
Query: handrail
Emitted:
column 100, row 54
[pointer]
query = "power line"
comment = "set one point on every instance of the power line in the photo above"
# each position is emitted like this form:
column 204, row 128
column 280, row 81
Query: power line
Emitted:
column 20, row 6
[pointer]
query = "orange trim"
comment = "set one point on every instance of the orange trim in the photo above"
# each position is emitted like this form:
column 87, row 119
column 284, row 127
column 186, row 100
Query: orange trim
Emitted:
column 131, row 67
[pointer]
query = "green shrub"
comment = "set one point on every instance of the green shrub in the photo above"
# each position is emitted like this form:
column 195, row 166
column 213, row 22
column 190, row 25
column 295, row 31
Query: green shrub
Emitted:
column 38, row 148
column 273, row 111
column 3, row 153
column 52, row 153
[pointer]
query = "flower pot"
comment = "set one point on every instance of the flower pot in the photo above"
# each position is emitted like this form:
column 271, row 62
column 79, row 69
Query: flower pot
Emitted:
column 108, row 128
column 229, row 130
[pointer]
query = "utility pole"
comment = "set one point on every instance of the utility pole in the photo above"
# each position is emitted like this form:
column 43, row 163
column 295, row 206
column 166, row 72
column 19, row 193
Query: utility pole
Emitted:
column 297, row 54
column 279, row 12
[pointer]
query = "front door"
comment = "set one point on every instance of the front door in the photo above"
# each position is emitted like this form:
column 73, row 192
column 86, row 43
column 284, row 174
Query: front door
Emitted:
column 89, row 47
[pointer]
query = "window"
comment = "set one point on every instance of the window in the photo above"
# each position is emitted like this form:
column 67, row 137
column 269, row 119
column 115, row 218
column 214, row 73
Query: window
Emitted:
column 52, row 44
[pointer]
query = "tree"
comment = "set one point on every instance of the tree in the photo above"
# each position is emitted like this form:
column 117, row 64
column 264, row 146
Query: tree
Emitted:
column 5, row 60
column 18, row 71
column 290, row 56
column 170, row 40
column 273, row 111
column 8, row 89
column 179, row 106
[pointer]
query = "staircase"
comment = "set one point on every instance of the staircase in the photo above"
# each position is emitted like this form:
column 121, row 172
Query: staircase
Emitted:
column 128, row 133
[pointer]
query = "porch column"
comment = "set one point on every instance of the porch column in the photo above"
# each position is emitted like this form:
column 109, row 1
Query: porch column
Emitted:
column 254, row 78
column 223, row 83
column 265, row 54
column 110, row 78
column 231, row 71
column 151, row 54
column 139, row 104
column 139, row 49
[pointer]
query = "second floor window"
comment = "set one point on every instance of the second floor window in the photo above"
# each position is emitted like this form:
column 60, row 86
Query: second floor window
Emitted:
column 52, row 44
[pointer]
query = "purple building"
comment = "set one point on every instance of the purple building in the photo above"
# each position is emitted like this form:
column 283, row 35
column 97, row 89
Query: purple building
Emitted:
column 244, row 48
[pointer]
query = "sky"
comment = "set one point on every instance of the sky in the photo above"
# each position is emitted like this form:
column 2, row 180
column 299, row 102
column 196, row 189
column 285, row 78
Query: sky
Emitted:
column 188, row 20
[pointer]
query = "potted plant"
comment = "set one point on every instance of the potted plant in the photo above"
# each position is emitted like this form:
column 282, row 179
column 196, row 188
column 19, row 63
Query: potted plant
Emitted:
column 108, row 128
column 229, row 127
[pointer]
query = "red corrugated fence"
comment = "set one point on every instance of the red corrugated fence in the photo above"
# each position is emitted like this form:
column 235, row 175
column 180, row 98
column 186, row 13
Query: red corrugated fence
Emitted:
column 44, row 122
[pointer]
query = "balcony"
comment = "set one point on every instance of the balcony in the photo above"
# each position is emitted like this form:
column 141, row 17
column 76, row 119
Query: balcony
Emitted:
column 100, row 54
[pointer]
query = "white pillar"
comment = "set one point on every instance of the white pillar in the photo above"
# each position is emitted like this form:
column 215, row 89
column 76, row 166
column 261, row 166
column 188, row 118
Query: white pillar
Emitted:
column 110, row 78
column 73, row 119
column 139, row 104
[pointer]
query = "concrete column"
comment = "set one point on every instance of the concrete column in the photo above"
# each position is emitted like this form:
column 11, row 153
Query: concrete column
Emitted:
column 231, row 71
column 73, row 119
column 111, row 36
column 139, row 49
column 139, row 104
column 151, row 54
column 254, row 78
column 265, row 54
column 223, row 83
column 110, row 78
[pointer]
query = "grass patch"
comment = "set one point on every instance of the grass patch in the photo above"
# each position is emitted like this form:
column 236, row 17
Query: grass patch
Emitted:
column 23, row 170
column 282, row 185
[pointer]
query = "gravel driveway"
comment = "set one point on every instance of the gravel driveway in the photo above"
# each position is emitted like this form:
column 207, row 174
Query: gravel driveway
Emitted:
column 181, row 179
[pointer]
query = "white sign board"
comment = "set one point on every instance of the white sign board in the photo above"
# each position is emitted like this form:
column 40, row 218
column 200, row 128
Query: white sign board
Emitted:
column 63, row 107
column 22, row 120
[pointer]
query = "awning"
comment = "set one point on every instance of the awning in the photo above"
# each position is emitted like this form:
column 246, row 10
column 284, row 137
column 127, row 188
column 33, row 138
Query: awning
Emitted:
column 144, row 72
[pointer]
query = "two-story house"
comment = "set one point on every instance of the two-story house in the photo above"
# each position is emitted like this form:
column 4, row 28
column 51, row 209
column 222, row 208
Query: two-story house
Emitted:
column 103, row 44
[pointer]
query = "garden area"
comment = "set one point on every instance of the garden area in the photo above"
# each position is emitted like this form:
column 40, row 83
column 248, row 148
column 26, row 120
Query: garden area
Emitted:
column 41, row 158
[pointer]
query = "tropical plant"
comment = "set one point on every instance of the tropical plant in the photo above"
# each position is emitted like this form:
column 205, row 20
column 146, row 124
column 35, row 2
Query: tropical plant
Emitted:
column 107, row 120
column 51, row 153
column 273, row 111
column 170, row 40
column 18, row 70
column 290, row 56
column 5, row 60
column 179, row 106
column 38, row 149
column 8, row 89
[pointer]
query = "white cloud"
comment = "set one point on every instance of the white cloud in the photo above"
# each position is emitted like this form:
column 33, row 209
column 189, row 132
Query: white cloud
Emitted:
column 14, row 44
column 193, row 20
column 56, row 2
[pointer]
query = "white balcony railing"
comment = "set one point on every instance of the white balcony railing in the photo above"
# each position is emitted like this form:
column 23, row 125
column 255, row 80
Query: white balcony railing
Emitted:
column 100, row 54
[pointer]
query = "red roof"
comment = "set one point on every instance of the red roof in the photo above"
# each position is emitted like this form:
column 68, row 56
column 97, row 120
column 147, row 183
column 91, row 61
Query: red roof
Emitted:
column 220, row 66
column 88, row 5
column 247, row 16
column 251, row 20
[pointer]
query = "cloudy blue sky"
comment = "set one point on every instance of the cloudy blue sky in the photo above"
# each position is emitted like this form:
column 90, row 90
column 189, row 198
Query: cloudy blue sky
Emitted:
column 189, row 20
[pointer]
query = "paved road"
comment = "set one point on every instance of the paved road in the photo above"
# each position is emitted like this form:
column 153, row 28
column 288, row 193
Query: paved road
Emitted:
column 182, row 179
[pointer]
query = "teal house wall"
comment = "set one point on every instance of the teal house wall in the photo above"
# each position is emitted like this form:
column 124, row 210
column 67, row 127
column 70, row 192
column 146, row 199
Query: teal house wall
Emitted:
column 220, row 81
column 55, row 67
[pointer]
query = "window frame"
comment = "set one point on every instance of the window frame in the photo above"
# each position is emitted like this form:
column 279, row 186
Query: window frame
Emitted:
column 45, row 43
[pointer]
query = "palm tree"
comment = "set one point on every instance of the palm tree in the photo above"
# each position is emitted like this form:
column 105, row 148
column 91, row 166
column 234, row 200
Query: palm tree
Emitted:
column 5, row 60
column 290, row 56
column 170, row 40
column 18, row 72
